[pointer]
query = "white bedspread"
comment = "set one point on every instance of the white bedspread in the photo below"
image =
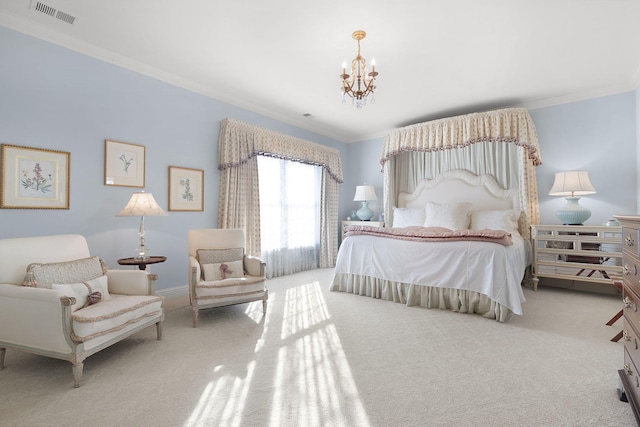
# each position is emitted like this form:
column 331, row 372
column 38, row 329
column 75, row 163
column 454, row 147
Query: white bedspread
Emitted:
column 487, row 268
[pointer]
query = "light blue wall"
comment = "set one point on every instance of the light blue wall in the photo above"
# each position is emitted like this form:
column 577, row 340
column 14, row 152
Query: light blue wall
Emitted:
column 598, row 135
column 54, row 98
column 363, row 167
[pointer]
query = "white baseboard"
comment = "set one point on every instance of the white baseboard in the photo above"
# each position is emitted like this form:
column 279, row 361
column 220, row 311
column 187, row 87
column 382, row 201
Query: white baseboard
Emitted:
column 177, row 292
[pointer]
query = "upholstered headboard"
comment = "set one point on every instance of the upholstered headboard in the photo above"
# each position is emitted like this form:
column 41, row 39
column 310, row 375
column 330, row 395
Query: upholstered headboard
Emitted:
column 482, row 191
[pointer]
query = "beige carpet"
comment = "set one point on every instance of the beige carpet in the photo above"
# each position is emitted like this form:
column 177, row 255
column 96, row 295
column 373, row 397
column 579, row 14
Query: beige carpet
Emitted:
column 323, row 358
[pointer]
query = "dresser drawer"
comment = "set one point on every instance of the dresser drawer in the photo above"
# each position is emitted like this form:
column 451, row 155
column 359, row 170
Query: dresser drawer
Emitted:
column 631, row 307
column 631, row 272
column 630, row 240
column 633, row 379
column 631, row 341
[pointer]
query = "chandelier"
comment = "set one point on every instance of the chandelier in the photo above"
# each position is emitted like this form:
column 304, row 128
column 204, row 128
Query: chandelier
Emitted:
column 359, row 84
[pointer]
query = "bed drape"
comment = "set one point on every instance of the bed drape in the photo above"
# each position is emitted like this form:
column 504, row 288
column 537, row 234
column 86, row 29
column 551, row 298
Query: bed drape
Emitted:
column 239, row 199
column 501, row 143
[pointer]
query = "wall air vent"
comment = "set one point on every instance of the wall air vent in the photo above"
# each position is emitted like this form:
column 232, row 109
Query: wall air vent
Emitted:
column 52, row 11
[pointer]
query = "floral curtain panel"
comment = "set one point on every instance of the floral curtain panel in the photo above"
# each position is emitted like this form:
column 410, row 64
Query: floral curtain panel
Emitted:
column 503, row 143
column 239, row 199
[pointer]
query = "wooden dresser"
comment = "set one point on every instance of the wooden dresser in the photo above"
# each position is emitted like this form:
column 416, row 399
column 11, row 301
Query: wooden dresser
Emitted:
column 630, row 375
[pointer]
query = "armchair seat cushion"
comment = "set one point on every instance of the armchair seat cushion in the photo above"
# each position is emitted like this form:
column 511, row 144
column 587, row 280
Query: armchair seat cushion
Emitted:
column 232, row 287
column 115, row 314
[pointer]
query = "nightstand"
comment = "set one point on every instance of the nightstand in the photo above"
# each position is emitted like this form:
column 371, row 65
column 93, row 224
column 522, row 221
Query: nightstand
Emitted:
column 345, row 224
column 577, row 252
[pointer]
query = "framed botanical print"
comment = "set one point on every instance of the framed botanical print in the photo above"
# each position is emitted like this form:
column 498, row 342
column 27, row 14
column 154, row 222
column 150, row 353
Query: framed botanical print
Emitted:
column 124, row 164
column 186, row 189
column 34, row 178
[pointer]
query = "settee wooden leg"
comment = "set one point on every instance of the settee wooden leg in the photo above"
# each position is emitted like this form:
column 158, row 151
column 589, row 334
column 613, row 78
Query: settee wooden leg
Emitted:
column 264, row 307
column 3, row 351
column 194, row 315
column 77, row 373
column 159, row 330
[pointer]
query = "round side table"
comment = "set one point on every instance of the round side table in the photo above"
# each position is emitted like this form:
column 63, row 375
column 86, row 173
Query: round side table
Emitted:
column 142, row 263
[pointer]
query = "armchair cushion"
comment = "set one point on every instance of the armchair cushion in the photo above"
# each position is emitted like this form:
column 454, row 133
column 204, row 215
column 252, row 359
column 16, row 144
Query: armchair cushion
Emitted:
column 223, row 270
column 76, row 271
column 81, row 291
column 230, row 289
column 120, row 312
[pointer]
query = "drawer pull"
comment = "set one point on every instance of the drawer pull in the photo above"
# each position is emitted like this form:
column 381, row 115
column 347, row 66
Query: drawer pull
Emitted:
column 626, row 336
column 627, row 370
column 629, row 240
column 626, row 270
column 629, row 303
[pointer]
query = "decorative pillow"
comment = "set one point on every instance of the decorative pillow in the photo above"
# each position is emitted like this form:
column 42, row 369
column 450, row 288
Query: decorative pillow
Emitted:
column 210, row 256
column 76, row 271
column 454, row 216
column 223, row 270
column 506, row 220
column 407, row 217
column 219, row 256
column 85, row 293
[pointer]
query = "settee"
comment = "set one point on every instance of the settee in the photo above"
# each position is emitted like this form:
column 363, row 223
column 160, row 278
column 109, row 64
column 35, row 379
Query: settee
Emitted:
column 48, row 319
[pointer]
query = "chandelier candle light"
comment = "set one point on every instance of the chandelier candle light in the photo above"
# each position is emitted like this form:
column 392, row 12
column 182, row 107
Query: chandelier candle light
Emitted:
column 572, row 184
column 142, row 204
column 364, row 193
column 359, row 84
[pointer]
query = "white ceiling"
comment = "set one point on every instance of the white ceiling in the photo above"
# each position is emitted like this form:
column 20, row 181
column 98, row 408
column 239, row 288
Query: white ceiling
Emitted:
column 282, row 58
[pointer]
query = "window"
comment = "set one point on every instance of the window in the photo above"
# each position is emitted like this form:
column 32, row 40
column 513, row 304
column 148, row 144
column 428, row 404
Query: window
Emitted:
column 289, row 215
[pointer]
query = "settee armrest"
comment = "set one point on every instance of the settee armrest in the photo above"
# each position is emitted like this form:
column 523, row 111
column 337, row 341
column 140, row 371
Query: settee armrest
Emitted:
column 129, row 282
column 194, row 271
column 35, row 318
column 254, row 266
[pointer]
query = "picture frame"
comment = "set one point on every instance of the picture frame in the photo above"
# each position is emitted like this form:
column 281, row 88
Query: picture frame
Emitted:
column 34, row 178
column 124, row 164
column 186, row 189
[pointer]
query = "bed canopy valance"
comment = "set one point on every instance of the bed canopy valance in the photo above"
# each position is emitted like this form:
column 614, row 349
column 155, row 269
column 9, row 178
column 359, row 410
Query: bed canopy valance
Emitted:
column 502, row 143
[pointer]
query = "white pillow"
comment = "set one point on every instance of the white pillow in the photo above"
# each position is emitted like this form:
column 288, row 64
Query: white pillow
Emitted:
column 506, row 220
column 407, row 217
column 80, row 291
column 454, row 216
column 213, row 272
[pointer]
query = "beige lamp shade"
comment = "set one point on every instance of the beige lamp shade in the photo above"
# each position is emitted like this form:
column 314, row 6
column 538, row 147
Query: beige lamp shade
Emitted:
column 364, row 193
column 142, row 204
column 572, row 183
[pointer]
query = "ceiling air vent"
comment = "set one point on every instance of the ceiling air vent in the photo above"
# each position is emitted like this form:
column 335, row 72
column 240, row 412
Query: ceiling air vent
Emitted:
column 53, row 12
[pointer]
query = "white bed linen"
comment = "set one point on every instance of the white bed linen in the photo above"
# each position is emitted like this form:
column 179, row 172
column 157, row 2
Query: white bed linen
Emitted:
column 487, row 268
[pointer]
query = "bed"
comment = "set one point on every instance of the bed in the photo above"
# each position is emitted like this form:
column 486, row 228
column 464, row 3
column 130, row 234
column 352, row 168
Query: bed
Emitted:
column 481, row 277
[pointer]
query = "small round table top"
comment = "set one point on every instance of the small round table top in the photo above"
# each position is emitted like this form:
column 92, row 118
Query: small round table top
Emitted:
column 142, row 262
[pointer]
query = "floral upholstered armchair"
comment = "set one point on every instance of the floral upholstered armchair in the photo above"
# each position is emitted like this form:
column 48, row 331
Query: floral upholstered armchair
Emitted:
column 220, row 273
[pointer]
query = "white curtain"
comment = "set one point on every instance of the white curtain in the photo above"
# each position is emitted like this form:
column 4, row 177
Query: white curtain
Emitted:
column 290, row 196
column 239, row 200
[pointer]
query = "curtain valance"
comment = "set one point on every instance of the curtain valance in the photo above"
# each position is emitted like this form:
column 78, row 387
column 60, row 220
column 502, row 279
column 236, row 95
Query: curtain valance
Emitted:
column 245, row 141
column 510, row 125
